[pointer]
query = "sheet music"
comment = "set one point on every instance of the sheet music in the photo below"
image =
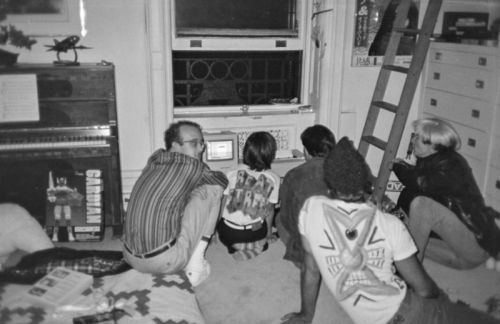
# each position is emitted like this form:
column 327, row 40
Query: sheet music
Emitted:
column 18, row 98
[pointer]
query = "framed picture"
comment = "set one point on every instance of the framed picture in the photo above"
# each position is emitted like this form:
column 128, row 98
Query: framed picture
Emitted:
column 44, row 18
column 373, row 25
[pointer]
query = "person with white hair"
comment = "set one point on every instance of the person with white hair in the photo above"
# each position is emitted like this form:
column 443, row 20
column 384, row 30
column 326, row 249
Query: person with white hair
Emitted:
column 441, row 196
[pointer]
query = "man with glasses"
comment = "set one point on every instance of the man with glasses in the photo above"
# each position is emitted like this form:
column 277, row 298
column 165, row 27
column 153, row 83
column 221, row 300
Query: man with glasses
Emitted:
column 174, row 207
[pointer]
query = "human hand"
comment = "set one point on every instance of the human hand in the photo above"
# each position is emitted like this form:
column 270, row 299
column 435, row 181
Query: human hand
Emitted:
column 399, row 160
column 296, row 318
column 214, row 239
column 200, row 192
column 401, row 163
column 387, row 205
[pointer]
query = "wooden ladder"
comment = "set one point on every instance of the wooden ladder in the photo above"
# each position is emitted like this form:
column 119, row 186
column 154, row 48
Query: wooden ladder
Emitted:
column 390, row 147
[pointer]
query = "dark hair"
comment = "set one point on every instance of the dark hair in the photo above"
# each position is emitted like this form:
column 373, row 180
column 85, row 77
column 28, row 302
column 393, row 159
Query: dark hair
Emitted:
column 346, row 173
column 259, row 151
column 173, row 134
column 318, row 140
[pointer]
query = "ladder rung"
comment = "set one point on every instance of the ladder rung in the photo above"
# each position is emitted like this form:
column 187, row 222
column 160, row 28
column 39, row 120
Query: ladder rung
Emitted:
column 386, row 106
column 406, row 30
column 375, row 142
column 396, row 68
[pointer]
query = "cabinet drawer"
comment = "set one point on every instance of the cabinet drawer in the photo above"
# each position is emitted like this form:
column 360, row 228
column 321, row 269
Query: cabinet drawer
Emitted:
column 495, row 153
column 469, row 82
column 463, row 110
column 493, row 186
column 465, row 59
column 474, row 143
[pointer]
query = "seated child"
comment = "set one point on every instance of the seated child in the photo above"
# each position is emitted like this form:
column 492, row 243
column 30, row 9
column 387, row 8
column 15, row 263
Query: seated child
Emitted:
column 20, row 231
column 249, row 199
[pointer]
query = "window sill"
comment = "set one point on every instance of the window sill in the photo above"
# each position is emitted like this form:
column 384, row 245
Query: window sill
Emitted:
column 232, row 111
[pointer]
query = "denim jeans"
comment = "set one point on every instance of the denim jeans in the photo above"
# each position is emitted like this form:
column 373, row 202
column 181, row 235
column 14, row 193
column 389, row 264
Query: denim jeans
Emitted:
column 458, row 248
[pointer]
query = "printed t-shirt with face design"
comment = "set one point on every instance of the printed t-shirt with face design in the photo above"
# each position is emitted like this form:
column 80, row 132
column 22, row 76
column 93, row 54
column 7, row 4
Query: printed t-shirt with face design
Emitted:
column 354, row 246
column 249, row 192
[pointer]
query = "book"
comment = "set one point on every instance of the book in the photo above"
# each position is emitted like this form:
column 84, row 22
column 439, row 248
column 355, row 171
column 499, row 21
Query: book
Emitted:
column 59, row 287
column 74, row 205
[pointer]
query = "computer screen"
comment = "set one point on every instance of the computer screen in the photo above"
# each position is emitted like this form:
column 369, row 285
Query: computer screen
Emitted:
column 220, row 150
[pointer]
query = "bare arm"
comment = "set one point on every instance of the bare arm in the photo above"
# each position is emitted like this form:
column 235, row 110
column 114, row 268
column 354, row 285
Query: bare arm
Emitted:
column 269, row 217
column 415, row 275
column 310, row 281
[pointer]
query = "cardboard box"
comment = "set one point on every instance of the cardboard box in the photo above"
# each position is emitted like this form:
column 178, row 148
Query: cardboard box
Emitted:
column 74, row 206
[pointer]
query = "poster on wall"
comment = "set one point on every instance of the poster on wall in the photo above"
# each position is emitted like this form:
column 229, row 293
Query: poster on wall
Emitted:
column 372, row 30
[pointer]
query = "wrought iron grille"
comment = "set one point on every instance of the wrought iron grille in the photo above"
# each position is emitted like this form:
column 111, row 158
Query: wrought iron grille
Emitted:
column 235, row 78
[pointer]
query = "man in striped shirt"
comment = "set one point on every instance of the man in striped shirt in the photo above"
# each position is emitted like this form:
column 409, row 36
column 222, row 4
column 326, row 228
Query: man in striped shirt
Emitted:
column 174, row 207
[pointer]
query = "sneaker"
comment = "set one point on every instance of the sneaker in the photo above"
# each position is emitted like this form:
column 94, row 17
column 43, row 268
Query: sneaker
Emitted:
column 197, row 276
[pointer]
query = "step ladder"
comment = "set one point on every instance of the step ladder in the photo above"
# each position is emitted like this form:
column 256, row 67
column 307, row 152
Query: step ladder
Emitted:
column 390, row 147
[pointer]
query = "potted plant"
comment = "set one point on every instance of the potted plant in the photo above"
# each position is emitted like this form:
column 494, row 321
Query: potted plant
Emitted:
column 10, row 35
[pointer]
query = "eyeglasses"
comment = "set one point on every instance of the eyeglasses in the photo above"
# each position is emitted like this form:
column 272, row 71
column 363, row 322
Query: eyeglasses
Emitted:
column 197, row 141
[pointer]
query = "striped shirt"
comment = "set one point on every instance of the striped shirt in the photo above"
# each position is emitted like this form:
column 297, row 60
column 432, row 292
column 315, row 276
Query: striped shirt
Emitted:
column 159, row 196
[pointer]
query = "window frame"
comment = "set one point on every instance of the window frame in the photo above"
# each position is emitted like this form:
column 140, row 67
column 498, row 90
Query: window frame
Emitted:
column 241, row 43
column 206, row 43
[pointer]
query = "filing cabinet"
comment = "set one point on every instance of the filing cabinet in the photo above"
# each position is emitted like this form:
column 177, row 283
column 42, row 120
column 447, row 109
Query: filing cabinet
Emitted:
column 462, row 86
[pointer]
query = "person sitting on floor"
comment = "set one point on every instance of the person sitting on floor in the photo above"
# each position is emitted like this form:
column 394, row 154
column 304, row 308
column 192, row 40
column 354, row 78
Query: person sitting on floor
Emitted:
column 442, row 196
column 250, row 198
column 300, row 183
column 20, row 231
column 174, row 207
column 356, row 248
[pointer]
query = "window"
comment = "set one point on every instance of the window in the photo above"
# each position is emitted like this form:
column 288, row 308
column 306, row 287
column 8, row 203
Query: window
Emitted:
column 235, row 78
column 255, row 18
column 237, row 53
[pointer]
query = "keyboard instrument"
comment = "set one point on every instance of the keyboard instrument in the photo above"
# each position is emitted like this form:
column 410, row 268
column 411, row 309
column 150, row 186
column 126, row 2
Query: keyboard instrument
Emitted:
column 77, row 129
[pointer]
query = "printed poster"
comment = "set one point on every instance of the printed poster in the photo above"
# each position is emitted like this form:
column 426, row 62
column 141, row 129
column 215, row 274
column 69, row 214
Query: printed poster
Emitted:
column 373, row 25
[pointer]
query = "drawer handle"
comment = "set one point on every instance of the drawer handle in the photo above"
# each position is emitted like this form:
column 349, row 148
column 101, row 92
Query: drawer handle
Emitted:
column 482, row 61
column 437, row 76
column 479, row 84
column 434, row 102
column 438, row 55
column 471, row 142
column 497, row 184
column 475, row 113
